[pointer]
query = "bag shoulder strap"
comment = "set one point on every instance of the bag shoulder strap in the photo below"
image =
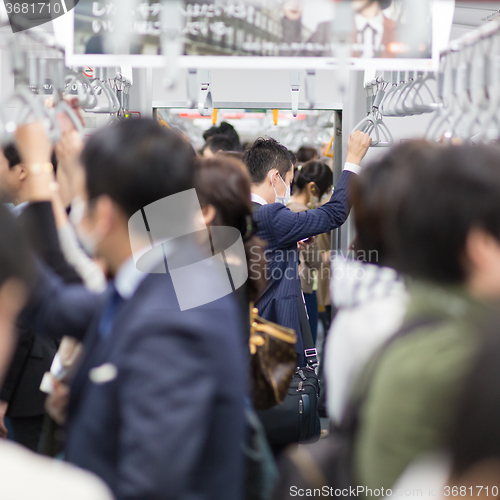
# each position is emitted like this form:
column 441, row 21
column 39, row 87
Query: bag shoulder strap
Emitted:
column 255, row 206
column 351, row 416
column 309, row 348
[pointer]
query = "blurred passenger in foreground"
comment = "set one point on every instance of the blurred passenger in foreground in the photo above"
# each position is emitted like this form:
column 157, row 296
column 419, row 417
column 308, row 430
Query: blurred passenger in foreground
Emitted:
column 12, row 176
column 223, row 187
column 370, row 296
column 444, row 232
column 469, row 467
column 156, row 407
column 21, row 401
column 48, row 479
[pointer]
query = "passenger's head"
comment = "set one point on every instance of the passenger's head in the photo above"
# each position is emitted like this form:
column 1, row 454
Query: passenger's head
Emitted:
column 217, row 143
column 445, row 227
column 15, row 277
column 313, row 180
column 12, row 175
column 223, row 188
column 306, row 153
column 373, row 194
column 225, row 129
column 128, row 166
column 271, row 167
column 474, row 438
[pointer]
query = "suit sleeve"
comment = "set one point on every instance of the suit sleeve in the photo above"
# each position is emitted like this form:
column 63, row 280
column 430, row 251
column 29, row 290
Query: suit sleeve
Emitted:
column 37, row 221
column 166, row 413
column 24, row 344
column 289, row 227
column 39, row 226
column 56, row 309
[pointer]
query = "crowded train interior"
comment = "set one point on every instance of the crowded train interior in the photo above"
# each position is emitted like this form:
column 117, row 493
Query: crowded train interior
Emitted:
column 249, row 249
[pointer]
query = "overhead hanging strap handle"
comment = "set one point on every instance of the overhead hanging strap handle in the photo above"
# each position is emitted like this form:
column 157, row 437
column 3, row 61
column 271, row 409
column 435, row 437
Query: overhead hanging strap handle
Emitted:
column 369, row 125
column 384, row 135
column 205, row 102
column 192, row 87
column 295, row 90
column 310, row 88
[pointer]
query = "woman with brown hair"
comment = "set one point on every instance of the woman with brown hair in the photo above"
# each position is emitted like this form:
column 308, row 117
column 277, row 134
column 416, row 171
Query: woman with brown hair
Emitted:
column 311, row 183
column 223, row 187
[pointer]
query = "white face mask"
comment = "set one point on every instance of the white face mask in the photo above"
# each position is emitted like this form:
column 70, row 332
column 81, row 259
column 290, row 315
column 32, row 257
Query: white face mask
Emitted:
column 282, row 199
column 89, row 241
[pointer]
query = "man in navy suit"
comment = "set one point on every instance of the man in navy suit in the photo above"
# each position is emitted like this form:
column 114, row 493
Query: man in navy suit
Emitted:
column 271, row 166
column 156, row 407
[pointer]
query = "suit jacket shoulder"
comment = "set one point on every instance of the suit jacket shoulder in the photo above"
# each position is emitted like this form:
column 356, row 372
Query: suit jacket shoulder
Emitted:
column 167, row 387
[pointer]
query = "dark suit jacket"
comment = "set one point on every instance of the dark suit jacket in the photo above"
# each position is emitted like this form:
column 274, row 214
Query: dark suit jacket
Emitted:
column 282, row 229
column 34, row 354
column 171, row 423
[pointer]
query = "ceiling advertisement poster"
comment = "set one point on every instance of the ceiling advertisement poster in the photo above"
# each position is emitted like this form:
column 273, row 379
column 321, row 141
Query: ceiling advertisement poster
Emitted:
column 257, row 33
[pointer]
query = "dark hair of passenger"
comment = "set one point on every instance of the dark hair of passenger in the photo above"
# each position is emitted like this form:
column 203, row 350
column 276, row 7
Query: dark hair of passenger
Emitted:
column 214, row 130
column 220, row 142
column 225, row 129
column 475, row 434
column 372, row 195
column 317, row 172
column 224, row 183
column 306, row 153
column 265, row 155
column 137, row 162
column 15, row 258
column 448, row 191
column 12, row 155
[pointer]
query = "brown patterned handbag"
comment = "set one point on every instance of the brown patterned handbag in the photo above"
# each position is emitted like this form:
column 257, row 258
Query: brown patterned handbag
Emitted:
column 274, row 361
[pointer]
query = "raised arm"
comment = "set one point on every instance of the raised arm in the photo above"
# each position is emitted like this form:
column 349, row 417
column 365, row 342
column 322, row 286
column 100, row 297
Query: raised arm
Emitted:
column 54, row 308
column 289, row 227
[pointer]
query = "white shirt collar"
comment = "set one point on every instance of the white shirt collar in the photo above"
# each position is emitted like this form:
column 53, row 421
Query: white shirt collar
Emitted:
column 129, row 278
column 376, row 23
column 17, row 210
column 258, row 199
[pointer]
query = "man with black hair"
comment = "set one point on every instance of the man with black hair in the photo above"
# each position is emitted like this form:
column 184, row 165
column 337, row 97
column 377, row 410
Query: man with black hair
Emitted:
column 224, row 129
column 156, row 408
column 24, row 473
column 271, row 167
column 21, row 400
column 12, row 176
column 217, row 143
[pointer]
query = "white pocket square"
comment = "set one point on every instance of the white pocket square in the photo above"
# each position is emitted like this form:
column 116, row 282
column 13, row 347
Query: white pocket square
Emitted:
column 103, row 374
